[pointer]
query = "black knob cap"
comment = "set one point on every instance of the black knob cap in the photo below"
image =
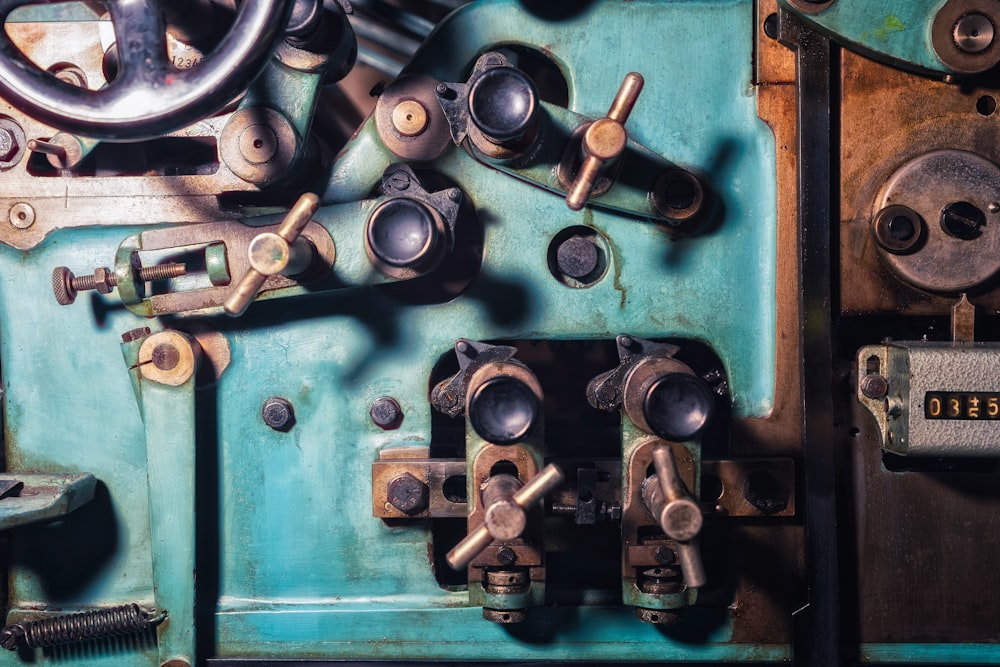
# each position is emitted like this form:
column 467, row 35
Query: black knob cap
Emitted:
column 402, row 233
column 677, row 406
column 503, row 103
column 503, row 410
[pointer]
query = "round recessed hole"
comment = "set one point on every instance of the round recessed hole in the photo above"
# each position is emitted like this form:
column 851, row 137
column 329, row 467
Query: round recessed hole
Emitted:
column 986, row 105
column 578, row 256
column 771, row 26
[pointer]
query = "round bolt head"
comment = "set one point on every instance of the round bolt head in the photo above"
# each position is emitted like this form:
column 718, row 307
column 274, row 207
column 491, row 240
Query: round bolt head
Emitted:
column 386, row 413
column 874, row 386
column 410, row 118
column 408, row 494
column 665, row 555
column 62, row 286
column 577, row 257
column 278, row 414
column 973, row 33
column 503, row 103
column 506, row 556
column 503, row 410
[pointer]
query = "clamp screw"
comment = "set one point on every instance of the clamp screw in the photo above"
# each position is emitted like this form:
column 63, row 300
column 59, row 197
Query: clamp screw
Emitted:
column 874, row 386
column 65, row 285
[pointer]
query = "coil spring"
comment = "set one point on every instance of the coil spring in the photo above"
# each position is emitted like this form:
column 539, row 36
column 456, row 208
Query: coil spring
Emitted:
column 96, row 624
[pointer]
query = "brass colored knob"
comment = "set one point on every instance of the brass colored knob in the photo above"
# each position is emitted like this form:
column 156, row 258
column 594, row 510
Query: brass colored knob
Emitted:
column 677, row 513
column 604, row 141
column 505, row 517
column 271, row 253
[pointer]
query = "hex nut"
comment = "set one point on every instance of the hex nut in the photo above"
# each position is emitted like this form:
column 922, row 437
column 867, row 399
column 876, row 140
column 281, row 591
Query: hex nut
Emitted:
column 104, row 280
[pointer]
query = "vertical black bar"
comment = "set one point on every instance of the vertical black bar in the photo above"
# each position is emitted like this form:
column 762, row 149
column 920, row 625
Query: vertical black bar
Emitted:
column 818, row 635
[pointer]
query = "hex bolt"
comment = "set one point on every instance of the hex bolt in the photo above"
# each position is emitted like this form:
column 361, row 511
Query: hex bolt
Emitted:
column 874, row 386
column 65, row 285
column 962, row 220
column 278, row 414
column 386, row 413
column 765, row 492
column 973, row 33
column 408, row 494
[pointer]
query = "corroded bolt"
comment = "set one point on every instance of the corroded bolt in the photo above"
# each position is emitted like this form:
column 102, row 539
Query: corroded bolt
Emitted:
column 386, row 413
column 278, row 414
column 874, row 385
column 65, row 285
column 408, row 494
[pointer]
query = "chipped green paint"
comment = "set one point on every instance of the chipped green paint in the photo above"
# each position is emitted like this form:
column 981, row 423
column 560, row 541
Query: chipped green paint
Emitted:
column 892, row 24
column 292, row 563
column 901, row 38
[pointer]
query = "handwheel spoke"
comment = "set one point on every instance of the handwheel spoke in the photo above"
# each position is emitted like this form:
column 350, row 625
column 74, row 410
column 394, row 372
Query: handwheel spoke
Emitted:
column 140, row 34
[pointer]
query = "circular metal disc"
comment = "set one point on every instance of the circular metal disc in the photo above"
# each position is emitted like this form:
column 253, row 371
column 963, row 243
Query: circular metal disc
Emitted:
column 958, row 57
column 927, row 184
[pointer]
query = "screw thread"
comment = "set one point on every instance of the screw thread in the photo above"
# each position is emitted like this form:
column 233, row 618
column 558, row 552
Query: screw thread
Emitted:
column 162, row 272
column 84, row 283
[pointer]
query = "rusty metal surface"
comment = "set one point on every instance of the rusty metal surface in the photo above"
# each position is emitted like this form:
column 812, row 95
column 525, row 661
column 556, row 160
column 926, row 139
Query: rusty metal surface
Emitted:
column 874, row 144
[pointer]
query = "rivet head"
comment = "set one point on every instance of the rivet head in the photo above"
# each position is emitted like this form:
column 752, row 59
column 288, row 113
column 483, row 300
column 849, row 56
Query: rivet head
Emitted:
column 21, row 215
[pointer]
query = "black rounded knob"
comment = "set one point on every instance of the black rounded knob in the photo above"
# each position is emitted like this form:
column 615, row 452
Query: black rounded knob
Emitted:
column 503, row 103
column 402, row 233
column 677, row 406
column 503, row 410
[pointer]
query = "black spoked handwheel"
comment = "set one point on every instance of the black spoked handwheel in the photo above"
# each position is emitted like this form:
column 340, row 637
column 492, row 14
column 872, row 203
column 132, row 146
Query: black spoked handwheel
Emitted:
column 148, row 97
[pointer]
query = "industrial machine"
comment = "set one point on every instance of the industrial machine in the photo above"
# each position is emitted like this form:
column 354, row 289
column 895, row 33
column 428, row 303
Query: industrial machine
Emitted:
column 525, row 331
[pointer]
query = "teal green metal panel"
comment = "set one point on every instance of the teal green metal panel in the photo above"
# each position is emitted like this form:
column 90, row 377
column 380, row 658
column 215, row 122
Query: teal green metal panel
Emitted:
column 896, row 31
column 303, row 568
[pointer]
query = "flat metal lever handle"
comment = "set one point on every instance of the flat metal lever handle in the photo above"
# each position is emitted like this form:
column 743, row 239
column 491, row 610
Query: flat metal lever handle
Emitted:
column 271, row 253
column 604, row 141
column 678, row 514
column 509, row 517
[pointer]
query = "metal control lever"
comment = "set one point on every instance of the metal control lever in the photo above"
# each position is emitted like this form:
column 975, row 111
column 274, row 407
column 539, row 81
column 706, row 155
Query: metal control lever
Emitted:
column 604, row 141
column 271, row 253
column 677, row 513
column 506, row 503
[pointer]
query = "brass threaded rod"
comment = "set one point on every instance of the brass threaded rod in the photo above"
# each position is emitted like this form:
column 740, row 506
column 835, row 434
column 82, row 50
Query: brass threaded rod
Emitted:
column 146, row 274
